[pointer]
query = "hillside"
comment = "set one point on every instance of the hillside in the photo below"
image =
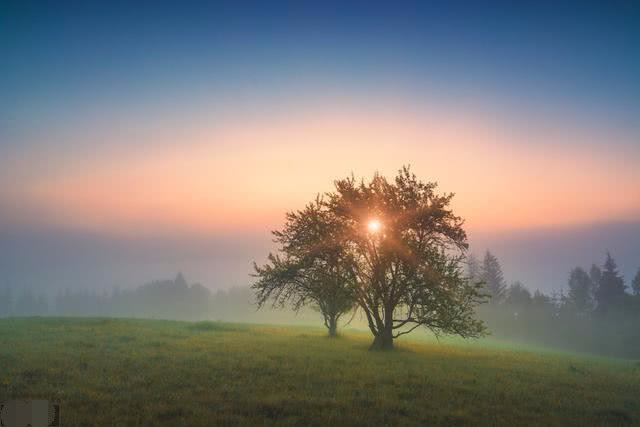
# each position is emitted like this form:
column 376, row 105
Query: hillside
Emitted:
column 151, row 372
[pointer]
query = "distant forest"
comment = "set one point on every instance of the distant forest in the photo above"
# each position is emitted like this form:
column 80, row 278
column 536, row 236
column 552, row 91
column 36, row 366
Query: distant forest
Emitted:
column 596, row 312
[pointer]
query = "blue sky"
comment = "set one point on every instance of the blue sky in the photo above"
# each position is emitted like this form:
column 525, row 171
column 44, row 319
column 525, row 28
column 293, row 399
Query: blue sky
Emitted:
column 578, row 58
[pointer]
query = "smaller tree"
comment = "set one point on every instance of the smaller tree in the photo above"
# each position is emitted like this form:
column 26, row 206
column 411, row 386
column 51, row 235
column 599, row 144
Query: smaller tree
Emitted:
column 474, row 269
column 493, row 278
column 580, row 295
column 518, row 295
column 611, row 292
column 542, row 301
column 180, row 282
column 310, row 269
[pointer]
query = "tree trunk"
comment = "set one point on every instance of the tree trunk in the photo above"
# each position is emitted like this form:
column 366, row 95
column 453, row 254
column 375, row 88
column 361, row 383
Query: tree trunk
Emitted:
column 333, row 326
column 383, row 340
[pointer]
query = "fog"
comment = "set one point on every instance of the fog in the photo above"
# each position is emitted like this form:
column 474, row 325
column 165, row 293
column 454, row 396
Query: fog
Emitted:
column 48, row 260
column 62, row 273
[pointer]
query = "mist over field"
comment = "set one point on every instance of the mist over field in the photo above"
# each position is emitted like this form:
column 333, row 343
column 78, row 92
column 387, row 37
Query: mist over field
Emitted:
column 49, row 260
column 568, row 317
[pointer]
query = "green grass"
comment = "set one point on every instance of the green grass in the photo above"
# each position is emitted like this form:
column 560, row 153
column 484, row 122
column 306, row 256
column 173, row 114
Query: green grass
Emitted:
column 120, row 372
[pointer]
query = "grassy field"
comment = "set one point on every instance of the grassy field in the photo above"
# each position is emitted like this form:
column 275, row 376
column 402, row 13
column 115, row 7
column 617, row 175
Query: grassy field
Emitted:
column 115, row 372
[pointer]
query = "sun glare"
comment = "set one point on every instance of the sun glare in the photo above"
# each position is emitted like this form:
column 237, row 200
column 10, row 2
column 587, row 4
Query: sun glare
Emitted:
column 374, row 225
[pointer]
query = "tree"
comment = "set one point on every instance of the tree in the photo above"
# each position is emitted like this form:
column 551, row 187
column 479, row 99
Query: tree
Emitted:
column 493, row 278
column 611, row 292
column 474, row 269
column 311, row 268
column 169, row 299
column 542, row 301
column 518, row 295
column 635, row 284
column 180, row 282
column 595, row 274
column 580, row 295
column 406, row 249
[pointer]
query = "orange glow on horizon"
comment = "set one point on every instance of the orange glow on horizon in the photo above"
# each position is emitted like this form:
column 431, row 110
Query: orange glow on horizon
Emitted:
column 246, row 177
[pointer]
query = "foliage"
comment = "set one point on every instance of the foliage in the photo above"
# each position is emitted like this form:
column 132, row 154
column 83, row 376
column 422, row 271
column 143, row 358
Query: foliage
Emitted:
column 312, row 267
column 518, row 295
column 167, row 299
column 493, row 278
column 581, row 291
column 474, row 269
column 611, row 290
column 571, row 320
column 595, row 274
column 407, row 274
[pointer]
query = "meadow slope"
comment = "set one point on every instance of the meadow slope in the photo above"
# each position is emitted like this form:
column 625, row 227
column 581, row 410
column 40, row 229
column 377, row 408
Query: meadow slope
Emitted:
column 123, row 372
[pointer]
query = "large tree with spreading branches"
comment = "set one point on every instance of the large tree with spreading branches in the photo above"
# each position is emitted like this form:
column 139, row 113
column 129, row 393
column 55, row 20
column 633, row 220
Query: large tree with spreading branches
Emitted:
column 394, row 249
column 406, row 250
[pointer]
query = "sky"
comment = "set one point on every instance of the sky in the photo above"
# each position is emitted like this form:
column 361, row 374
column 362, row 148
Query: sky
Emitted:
column 138, row 140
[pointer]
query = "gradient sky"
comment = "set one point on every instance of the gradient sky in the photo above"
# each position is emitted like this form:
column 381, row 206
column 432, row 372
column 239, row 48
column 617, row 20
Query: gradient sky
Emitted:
column 179, row 134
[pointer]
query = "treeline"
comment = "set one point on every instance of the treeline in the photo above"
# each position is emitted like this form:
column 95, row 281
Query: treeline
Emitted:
column 166, row 299
column 26, row 303
column 595, row 312
column 169, row 299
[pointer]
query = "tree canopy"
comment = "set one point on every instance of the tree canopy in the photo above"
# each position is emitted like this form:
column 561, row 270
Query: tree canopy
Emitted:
column 581, row 289
column 395, row 248
column 311, row 268
column 611, row 290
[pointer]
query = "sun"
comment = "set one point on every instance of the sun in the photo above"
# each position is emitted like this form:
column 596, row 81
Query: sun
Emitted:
column 373, row 226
